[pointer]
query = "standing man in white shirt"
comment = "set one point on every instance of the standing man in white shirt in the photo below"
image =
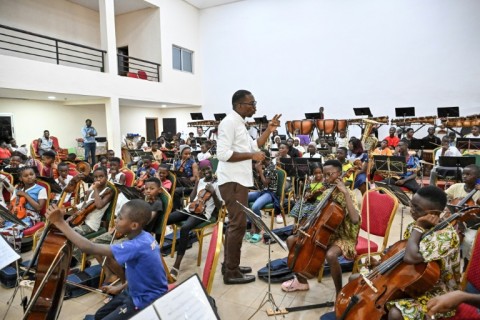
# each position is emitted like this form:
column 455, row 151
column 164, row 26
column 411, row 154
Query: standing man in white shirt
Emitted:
column 236, row 150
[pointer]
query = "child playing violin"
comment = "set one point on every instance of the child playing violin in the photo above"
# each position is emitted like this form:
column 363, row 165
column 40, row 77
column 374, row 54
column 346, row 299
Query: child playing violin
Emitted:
column 63, row 180
column 144, row 172
column 140, row 254
column 97, row 201
column 441, row 246
column 26, row 203
column 470, row 176
column 343, row 241
column 313, row 195
column 209, row 189
column 114, row 173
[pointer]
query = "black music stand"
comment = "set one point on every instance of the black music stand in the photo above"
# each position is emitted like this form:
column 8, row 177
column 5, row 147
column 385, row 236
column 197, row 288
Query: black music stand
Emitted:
column 14, row 173
column 288, row 165
column 468, row 143
column 456, row 162
column 313, row 116
column 129, row 192
column 405, row 112
column 305, row 166
column 390, row 164
column 448, row 112
column 362, row 112
column 54, row 186
column 219, row 116
column 196, row 116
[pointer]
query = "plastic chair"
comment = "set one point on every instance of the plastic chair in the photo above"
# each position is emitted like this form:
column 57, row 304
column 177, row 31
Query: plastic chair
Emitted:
column 213, row 255
column 142, row 75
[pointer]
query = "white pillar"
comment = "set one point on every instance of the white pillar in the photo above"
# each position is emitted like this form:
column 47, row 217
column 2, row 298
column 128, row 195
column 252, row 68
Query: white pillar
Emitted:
column 112, row 113
column 107, row 34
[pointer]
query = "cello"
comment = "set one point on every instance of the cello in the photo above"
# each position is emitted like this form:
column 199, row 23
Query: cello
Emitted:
column 366, row 296
column 54, row 253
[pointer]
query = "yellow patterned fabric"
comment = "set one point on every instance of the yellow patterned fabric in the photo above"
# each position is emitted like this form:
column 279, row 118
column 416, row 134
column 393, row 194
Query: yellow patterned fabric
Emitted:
column 347, row 232
column 442, row 246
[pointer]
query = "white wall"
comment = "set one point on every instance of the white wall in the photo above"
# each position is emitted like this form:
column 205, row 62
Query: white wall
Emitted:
column 132, row 119
column 55, row 18
column 31, row 118
column 140, row 31
column 298, row 55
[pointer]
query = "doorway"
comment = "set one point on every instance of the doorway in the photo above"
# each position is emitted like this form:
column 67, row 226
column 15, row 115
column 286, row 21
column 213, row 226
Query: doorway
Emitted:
column 6, row 127
column 152, row 128
column 122, row 57
column 169, row 127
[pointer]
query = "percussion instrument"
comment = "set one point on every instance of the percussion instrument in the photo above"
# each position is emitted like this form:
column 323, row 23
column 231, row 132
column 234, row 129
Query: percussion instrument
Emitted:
column 327, row 126
column 417, row 120
column 465, row 122
column 380, row 120
column 342, row 125
column 203, row 123
column 305, row 127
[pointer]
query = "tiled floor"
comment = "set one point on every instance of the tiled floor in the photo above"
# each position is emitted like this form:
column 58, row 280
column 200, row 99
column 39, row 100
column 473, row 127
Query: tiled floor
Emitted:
column 233, row 302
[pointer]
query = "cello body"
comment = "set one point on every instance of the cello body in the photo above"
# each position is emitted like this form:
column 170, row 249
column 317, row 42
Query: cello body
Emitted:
column 52, row 271
column 307, row 255
column 357, row 300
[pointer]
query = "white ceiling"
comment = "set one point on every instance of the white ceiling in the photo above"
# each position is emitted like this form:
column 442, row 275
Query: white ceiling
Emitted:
column 203, row 4
column 121, row 6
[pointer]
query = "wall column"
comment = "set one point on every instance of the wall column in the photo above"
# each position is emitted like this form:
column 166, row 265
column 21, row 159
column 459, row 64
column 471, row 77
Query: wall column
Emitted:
column 112, row 113
column 107, row 34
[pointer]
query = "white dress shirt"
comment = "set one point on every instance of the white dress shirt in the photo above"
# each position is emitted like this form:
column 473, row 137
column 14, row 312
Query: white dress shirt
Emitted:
column 233, row 137
column 451, row 152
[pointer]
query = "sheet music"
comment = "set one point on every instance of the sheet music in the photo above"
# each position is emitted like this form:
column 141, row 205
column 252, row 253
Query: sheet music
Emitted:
column 148, row 313
column 7, row 254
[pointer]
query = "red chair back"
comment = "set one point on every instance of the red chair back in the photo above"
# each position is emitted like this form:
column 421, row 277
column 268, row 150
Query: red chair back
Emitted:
column 473, row 269
column 49, row 194
column 132, row 75
column 207, row 269
column 142, row 74
column 5, row 193
column 382, row 209
column 129, row 177
column 155, row 165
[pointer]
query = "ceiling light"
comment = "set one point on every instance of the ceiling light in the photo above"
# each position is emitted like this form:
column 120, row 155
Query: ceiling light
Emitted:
column 163, row 105
column 51, row 98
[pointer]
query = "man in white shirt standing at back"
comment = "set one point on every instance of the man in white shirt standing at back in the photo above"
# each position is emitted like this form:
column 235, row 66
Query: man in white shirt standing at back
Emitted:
column 236, row 150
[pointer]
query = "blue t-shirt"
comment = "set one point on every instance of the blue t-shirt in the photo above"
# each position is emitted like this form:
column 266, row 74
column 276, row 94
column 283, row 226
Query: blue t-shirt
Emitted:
column 146, row 277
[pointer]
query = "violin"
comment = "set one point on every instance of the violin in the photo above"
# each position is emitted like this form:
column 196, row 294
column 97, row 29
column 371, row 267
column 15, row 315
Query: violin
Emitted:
column 198, row 205
column 141, row 180
column 19, row 209
column 79, row 216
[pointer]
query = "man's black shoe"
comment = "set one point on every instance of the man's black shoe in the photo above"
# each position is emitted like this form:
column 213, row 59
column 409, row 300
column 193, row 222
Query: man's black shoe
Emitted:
column 240, row 279
column 240, row 268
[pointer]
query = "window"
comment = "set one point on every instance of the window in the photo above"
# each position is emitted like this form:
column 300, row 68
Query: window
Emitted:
column 182, row 59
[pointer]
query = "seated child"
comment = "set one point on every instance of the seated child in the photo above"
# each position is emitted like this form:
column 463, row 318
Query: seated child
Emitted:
column 162, row 174
column 191, row 220
column 114, row 174
column 157, row 153
column 63, row 180
column 144, row 172
column 34, row 197
column 313, row 195
column 15, row 162
column 140, row 255
column 343, row 241
column 49, row 167
column 441, row 246
column 204, row 153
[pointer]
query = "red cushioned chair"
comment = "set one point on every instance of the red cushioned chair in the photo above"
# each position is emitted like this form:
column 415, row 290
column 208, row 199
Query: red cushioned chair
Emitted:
column 142, row 75
column 5, row 193
column 129, row 177
column 212, row 257
column 132, row 75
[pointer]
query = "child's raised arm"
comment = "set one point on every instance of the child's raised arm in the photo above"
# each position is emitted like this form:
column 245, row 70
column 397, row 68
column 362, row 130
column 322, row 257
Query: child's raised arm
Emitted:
column 55, row 215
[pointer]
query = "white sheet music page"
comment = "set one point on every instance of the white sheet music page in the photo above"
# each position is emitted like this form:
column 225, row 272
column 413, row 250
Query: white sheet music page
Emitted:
column 187, row 301
column 7, row 254
column 148, row 313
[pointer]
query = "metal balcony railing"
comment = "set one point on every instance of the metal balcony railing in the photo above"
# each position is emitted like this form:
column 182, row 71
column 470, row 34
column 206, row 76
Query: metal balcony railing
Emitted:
column 35, row 46
column 138, row 68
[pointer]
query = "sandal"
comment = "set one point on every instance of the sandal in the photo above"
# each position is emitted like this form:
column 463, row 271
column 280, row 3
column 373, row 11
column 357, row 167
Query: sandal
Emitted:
column 255, row 238
column 174, row 273
column 294, row 285
column 247, row 236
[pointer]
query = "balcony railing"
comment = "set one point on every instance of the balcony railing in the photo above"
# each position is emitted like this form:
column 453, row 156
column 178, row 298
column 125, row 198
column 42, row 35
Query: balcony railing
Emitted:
column 138, row 68
column 35, row 46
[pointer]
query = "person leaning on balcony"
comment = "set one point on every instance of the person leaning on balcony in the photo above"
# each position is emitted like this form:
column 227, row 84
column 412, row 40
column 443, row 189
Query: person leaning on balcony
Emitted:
column 89, row 143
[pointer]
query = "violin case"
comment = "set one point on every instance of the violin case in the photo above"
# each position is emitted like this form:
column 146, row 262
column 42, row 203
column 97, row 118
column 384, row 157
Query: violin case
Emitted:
column 166, row 249
column 8, row 277
column 89, row 277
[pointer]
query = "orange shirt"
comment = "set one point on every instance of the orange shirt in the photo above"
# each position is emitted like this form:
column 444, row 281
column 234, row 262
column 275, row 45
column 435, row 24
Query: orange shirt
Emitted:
column 392, row 141
column 384, row 152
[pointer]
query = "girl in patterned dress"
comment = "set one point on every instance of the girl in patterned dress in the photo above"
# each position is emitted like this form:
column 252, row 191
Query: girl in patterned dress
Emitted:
column 441, row 246
column 343, row 241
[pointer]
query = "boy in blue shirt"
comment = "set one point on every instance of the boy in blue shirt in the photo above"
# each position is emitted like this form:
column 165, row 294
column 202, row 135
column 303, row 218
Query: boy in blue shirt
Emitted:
column 140, row 255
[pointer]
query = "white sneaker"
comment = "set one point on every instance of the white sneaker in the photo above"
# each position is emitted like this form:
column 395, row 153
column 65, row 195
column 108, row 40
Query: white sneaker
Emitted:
column 279, row 219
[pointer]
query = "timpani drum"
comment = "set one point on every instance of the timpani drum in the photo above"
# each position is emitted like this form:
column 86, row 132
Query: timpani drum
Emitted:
column 342, row 125
column 327, row 126
column 304, row 127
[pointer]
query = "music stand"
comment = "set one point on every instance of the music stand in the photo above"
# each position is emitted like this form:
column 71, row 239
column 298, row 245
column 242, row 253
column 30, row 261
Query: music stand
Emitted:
column 305, row 165
column 288, row 165
column 362, row 112
column 262, row 226
column 219, row 116
column 14, row 173
column 54, row 186
column 129, row 192
column 416, row 144
column 467, row 143
column 456, row 162
column 196, row 116
column 313, row 116
column 447, row 112
column 390, row 164
column 261, row 120
column 405, row 112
